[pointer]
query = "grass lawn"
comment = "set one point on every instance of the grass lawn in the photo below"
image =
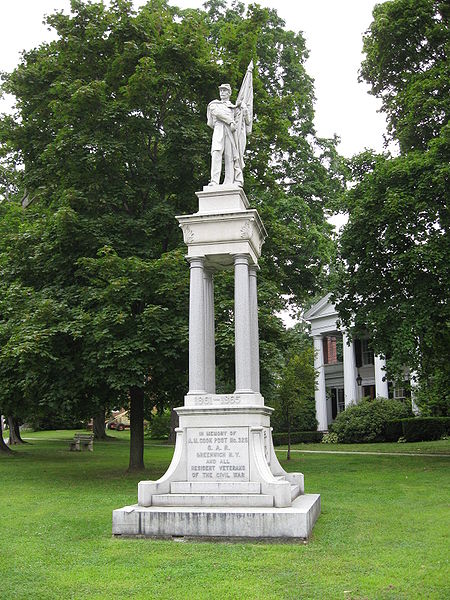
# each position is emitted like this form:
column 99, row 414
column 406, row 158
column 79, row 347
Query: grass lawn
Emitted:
column 435, row 447
column 383, row 531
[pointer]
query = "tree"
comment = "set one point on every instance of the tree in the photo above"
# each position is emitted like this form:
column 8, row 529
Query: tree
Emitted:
column 110, row 131
column 296, row 393
column 394, row 277
column 14, row 432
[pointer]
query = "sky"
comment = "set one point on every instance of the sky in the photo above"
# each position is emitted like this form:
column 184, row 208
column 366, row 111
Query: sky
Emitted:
column 333, row 30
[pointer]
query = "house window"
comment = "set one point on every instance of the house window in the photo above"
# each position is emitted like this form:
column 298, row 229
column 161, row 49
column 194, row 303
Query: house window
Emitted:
column 366, row 353
column 400, row 390
column 399, row 393
column 332, row 349
column 337, row 401
column 369, row 391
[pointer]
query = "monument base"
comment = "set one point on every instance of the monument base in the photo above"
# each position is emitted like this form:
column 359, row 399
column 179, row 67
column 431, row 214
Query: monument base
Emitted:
column 224, row 480
column 293, row 522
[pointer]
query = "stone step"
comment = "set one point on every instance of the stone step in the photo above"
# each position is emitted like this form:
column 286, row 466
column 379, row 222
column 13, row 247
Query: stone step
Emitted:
column 256, row 500
column 215, row 487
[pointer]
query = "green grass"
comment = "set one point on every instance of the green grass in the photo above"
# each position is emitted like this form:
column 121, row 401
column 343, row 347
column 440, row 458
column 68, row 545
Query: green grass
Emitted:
column 435, row 447
column 382, row 533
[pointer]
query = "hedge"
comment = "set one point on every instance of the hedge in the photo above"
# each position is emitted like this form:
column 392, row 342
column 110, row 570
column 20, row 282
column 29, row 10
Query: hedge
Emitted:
column 418, row 429
column 297, row 437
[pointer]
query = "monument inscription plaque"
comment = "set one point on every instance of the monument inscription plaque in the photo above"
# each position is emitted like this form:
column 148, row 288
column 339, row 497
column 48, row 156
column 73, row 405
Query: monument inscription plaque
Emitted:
column 217, row 454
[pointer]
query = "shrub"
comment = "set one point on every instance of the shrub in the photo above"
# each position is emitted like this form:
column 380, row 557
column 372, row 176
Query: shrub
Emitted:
column 418, row 429
column 367, row 421
column 297, row 437
column 159, row 426
column 394, row 430
column 330, row 438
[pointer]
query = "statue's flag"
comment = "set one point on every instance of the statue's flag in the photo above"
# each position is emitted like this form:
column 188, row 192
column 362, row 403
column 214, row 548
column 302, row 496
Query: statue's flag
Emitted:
column 244, row 121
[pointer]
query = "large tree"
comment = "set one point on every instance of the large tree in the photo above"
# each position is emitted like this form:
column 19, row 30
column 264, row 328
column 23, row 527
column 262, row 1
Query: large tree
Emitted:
column 110, row 133
column 395, row 249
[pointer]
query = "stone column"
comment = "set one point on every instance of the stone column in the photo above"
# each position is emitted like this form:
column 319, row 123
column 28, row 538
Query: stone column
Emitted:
column 320, row 392
column 210, row 345
column 242, row 334
column 381, row 387
column 350, row 373
column 196, row 327
column 254, row 332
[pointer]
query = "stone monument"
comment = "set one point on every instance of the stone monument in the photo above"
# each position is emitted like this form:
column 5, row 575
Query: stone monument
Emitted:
column 224, row 479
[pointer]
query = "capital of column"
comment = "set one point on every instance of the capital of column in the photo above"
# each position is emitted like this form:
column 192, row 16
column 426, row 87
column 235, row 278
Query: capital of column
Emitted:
column 253, row 270
column 240, row 259
column 196, row 262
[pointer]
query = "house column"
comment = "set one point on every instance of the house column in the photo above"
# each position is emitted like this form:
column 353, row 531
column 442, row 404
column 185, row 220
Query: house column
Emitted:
column 350, row 372
column 196, row 327
column 320, row 391
column 414, row 382
column 210, row 345
column 254, row 332
column 242, row 330
column 381, row 387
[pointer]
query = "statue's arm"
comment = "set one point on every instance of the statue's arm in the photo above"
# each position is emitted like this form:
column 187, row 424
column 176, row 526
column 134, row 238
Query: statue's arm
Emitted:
column 218, row 111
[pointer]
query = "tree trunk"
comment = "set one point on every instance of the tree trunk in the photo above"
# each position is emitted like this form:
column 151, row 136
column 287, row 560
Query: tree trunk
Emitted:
column 136, row 429
column 174, row 423
column 14, row 432
column 3, row 446
column 288, row 457
column 98, row 426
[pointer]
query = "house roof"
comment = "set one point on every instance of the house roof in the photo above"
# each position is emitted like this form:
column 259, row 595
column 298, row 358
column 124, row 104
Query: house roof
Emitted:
column 322, row 308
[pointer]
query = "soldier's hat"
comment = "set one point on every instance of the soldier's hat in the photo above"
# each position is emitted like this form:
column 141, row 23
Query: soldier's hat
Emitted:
column 225, row 86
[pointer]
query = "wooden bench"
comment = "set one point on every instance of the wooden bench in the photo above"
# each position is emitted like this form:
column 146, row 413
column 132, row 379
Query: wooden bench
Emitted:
column 82, row 440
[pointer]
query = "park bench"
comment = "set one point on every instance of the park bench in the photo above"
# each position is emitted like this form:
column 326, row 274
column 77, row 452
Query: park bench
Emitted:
column 82, row 440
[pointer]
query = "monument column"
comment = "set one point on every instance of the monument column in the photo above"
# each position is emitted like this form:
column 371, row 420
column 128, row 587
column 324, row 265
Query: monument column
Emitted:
column 196, row 327
column 320, row 392
column 381, row 387
column 210, row 346
column 242, row 330
column 254, row 332
column 350, row 372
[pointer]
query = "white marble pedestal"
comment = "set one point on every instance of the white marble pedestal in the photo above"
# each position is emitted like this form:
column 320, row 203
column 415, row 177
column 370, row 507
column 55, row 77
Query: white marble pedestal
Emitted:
column 294, row 522
column 224, row 479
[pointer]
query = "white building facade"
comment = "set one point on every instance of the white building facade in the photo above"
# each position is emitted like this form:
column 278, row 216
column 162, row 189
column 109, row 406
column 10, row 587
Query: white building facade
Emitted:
column 347, row 369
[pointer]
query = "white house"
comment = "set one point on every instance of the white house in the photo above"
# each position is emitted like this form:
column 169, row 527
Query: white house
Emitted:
column 347, row 368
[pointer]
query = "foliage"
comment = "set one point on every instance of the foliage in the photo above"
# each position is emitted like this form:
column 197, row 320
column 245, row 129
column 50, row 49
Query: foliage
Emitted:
column 394, row 273
column 433, row 395
column 330, row 438
column 296, row 437
column 406, row 64
column 367, row 420
column 418, row 429
column 159, row 426
column 107, row 144
column 295, row 404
